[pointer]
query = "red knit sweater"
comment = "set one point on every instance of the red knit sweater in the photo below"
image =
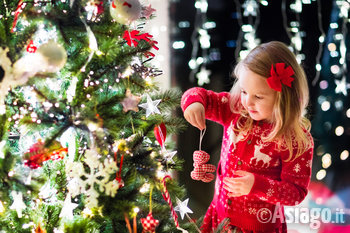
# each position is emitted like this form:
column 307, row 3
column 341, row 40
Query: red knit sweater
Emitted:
column 277, row 182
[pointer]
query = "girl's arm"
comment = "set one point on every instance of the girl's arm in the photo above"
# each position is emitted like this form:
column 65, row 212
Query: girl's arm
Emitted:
column 216, row 105
column 292, row 188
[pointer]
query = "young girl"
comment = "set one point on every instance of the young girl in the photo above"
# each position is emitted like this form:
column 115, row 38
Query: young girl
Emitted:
column 267, row 149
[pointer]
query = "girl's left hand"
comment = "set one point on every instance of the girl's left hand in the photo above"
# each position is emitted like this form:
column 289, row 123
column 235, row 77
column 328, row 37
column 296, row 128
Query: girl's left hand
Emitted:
column 239, row 186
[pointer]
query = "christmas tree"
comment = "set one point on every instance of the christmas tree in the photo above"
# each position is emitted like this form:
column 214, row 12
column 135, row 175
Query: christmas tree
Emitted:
column 84, row 126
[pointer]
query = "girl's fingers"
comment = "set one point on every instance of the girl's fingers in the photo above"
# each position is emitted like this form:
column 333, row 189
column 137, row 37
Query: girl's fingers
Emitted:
column 200, row 121
column 233, row 181
column 191, row 119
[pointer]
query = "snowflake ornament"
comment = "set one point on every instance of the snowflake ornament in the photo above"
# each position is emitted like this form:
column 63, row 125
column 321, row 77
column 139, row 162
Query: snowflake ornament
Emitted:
column 83, row 182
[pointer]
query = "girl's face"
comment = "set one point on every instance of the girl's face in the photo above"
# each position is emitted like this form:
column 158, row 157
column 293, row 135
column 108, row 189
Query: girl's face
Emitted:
column 256, row 95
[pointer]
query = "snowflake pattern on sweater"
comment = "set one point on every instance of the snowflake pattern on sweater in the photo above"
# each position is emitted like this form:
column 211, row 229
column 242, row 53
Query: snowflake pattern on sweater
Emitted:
column 277, row 182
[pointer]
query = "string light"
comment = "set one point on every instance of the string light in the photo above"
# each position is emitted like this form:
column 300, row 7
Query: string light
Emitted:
column 336, row 47
column 342, row 85
column 200, row 40
column 326, row 160
column 247, row 35
column 321, row 174
column 344, row 155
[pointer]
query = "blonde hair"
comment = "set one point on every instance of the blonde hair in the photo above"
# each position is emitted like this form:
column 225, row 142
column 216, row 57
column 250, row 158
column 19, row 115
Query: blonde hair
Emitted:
column 288, row 118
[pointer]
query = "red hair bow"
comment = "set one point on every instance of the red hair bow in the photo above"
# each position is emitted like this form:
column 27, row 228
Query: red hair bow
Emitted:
column 281, row 75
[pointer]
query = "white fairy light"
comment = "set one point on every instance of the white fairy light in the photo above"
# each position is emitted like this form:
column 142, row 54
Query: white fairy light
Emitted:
column 178, row 45
column 325, row 106
column 326, row 160
column 339, row 130
column 321, row 174
column 344, row 155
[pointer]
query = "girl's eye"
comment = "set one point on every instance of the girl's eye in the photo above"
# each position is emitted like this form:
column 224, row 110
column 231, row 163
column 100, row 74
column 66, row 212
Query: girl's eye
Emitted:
column 243, row 92
column 259, row 97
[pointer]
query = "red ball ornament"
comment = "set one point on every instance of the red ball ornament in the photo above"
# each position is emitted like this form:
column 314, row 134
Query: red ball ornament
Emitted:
column 149, row 224
column 160, row 133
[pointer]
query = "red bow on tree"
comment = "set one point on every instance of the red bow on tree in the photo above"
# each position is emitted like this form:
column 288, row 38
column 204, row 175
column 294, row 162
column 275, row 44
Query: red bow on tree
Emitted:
column 133, row 38
column 281, row 75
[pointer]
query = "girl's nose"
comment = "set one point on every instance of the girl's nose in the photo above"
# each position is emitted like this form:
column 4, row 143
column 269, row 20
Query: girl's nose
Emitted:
column 250, row 101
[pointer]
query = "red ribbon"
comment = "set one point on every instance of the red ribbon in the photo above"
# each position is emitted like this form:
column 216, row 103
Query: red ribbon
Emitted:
column 133, row 38
column 17, row 12
column 281, row 75
column 118, row 175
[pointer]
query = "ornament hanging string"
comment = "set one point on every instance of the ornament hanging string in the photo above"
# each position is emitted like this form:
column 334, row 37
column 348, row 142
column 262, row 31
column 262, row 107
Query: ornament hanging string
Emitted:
column 201, row 137
column 150, row 199
column 162, row 138
column 92, row 43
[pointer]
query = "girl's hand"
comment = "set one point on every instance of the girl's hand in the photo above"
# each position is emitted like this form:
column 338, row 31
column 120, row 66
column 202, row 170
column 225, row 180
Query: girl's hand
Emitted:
column 239, row 186
column 195, row 115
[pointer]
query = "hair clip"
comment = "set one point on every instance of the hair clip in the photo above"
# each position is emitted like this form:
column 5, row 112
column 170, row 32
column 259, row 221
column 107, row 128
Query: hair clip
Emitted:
column 281, row 75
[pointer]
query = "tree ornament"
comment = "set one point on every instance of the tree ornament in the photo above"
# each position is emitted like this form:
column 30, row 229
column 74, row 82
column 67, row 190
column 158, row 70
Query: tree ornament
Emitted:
column 27, row 66
column 168, row 156
column 148, row 11
column 130, row 102
column 17, row 13
column 182, row 207
column 86, row 181
column 68, row 207
column 160, row 133
column 54, row 55
column 39, row 229
column 151, row 106
column 2, row 208
column 2, row 147
column 118, row 176
column 31, row 48
column 133, row 38
column 18, row 203
column 125, row 12
column 149, row 224
column 94, row 8
column 167, row 198
column 202, row 170
column 6, row 75
column 38, row 154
